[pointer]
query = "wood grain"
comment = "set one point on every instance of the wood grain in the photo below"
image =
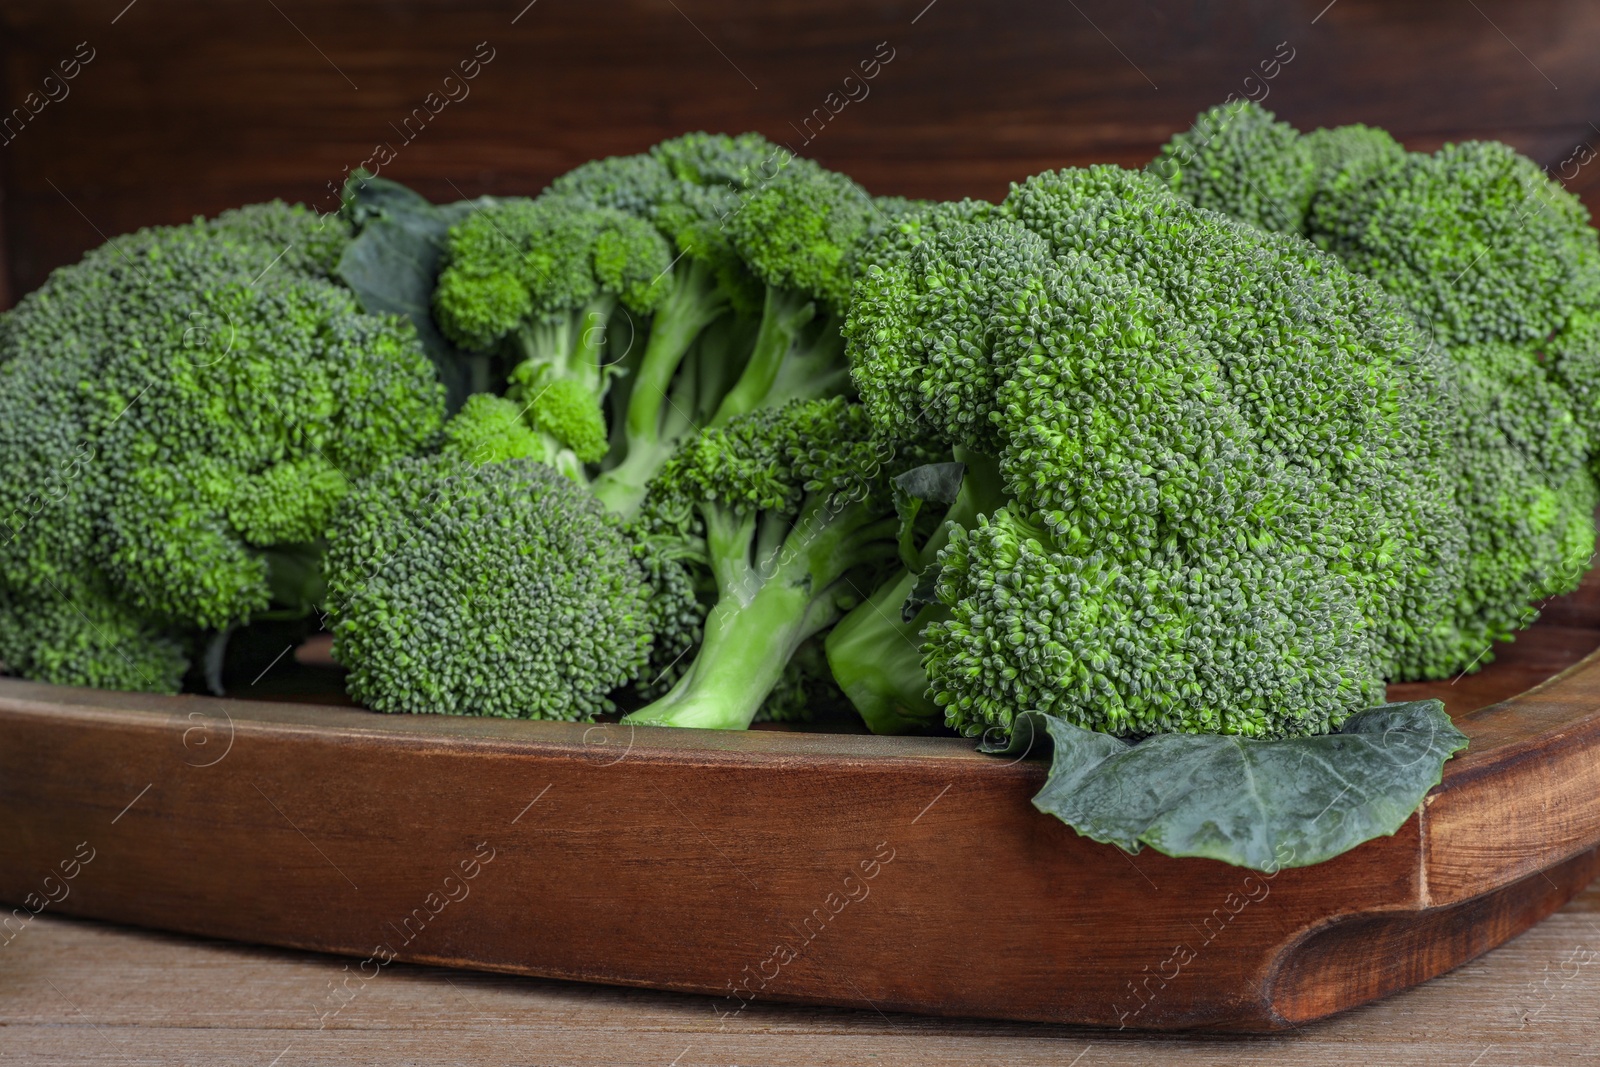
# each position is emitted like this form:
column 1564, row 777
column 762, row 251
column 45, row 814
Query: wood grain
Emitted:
column 907, row 873
column 82, row 994
column 194, row 108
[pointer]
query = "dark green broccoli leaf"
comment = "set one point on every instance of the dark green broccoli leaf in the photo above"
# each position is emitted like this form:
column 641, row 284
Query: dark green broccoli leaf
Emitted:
column 1257, row 804
column 392, row 266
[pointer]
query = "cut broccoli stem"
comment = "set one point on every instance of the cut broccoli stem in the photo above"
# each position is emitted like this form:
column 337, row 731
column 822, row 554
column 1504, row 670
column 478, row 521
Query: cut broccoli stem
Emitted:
column 875, row 652
column 772, row 596
column 742, row 657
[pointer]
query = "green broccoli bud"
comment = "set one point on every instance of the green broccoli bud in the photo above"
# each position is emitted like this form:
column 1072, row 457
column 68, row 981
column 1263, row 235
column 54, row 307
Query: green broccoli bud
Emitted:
column 501, row 589
column 1258, row 640
column 82, row 635
column 1239, row 160
column 180, row 404
column 287, row 503
column 1474, row 239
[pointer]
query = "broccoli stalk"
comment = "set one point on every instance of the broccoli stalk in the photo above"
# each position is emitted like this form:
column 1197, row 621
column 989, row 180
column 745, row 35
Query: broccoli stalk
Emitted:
column 783, row 507
column 539, row 281
column 797, row 236
column 652, row 416
column 765, row 610
column 875, row 651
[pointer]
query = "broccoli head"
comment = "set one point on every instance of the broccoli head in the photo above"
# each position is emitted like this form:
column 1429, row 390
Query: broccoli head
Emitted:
column 1239, row 159
column 498, row 588
column 1524, row 486
column 1487, row 255
column 181, row 407
column 1475, row 239
column 1217, row 451
column 682, row 287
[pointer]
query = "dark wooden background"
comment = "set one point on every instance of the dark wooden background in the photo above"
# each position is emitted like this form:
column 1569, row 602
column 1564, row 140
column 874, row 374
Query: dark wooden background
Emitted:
column 191, row 107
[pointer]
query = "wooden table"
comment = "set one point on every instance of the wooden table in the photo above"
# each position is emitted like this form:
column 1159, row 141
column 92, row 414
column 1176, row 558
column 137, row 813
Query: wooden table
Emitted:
column 76, row 992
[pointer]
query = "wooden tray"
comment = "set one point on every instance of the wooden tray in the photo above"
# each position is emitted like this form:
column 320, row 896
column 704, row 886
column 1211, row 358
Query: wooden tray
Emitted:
column 892, row 873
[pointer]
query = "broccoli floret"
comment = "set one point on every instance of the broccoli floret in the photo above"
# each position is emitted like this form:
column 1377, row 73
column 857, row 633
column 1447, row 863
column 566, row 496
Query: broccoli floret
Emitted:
column 1524, row 487
column 1492, row 258
column 1574, row 363
column 738, row 162
column 1220, row 451
column 1487, row 254
column 790, row 240
column 1346, row 154
column 1239, row 160
column 738, row 256
column 1475, row 239
column 1327, row 376
column 186, row 407
column 541, row 279
column 500, row 589
column 80, row 634
column 635, row 184
column 786, row 511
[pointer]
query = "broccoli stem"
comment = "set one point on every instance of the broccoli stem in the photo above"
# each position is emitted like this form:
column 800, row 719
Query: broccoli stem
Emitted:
column 876, row 658
column 784, row 314
column 769, row 602
column 741, row 658
column 875, row 654
column 586, row 356
column 570, row 345
column 696, row 302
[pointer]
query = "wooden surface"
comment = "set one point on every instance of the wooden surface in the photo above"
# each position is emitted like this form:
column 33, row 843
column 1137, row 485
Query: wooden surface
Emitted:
column 911, row 873
column 193, row 107
column 76, row 993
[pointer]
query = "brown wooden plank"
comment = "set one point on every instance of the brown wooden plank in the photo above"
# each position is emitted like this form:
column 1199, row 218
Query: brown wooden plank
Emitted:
column 193, row 108
column 318, row 838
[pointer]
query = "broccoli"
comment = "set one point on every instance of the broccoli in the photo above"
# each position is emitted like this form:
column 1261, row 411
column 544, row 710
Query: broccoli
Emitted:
column 543, row 277
column 765, row 236
column 1219, row 453
column 487, row 588
column 875, row 651
column 1524, row 486
column 731, row 260
column 80, row 634
column 181, row 412
column 786, row 511
column 1239, row 160
column 1501, row 271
